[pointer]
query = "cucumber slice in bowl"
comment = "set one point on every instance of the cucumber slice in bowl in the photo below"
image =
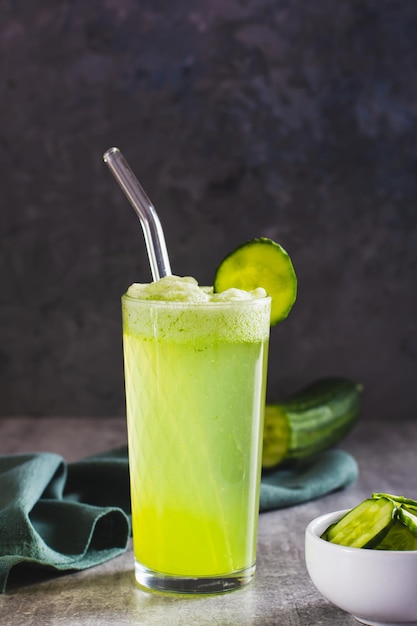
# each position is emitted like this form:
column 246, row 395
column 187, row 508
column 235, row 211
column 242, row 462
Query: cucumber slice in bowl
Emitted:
column 398, row 537
column 364, row 526
column 402, row 501
column 408, row 518
column 406, row 510
column 383, row 522
column 260, row 263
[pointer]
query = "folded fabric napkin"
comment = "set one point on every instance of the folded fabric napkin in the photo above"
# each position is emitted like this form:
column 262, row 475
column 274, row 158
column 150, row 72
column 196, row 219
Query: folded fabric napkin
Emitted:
column 68, row 517
column 306, row 481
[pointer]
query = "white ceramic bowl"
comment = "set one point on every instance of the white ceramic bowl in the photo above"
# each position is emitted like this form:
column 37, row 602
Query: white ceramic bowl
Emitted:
column 377, row 587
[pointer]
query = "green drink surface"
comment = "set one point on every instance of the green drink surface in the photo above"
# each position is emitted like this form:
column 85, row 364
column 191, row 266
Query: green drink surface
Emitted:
column 195, row 392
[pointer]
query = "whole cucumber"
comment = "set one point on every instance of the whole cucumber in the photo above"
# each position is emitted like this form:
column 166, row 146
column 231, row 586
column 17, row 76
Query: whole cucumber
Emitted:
column 310, row 421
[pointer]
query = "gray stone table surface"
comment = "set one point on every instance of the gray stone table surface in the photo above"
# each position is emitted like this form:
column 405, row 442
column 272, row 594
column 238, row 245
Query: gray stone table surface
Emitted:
column 282, row 592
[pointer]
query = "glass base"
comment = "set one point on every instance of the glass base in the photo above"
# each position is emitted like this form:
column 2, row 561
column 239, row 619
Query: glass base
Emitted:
column 166, row 583
column 372, row 623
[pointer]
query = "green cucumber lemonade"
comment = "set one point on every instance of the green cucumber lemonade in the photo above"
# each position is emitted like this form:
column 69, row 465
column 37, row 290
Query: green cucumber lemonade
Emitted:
column 195, row 374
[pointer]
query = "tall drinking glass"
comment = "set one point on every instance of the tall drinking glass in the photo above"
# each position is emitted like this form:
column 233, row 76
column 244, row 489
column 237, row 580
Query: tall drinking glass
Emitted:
column 195, row 378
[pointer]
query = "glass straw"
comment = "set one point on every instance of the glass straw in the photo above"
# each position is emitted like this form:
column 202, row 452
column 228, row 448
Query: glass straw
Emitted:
column 152, row 229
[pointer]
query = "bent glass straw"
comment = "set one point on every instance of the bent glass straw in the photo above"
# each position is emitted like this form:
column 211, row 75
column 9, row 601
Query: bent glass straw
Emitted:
column 152, row 229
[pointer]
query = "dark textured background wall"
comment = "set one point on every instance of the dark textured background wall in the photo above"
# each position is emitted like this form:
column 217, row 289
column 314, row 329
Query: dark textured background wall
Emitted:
column 291, row 119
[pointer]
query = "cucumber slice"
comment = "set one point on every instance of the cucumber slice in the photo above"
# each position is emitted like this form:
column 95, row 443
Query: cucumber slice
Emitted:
column 408, row 503
column 406, row 510
column 260, row 263
column 408, row 518
column 363, row 526
column 399, row 537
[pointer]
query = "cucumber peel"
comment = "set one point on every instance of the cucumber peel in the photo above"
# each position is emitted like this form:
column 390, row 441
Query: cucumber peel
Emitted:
column 310, row 421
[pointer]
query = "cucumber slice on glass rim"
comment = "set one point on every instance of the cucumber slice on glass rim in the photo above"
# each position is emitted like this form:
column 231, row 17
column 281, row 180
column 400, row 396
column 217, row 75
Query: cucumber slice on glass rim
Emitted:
column 260, row 263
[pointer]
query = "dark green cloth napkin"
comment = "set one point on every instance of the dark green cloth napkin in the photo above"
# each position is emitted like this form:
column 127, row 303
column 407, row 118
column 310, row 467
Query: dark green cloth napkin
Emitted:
column 62, row 517
column 68, row 517
column 329, row 471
